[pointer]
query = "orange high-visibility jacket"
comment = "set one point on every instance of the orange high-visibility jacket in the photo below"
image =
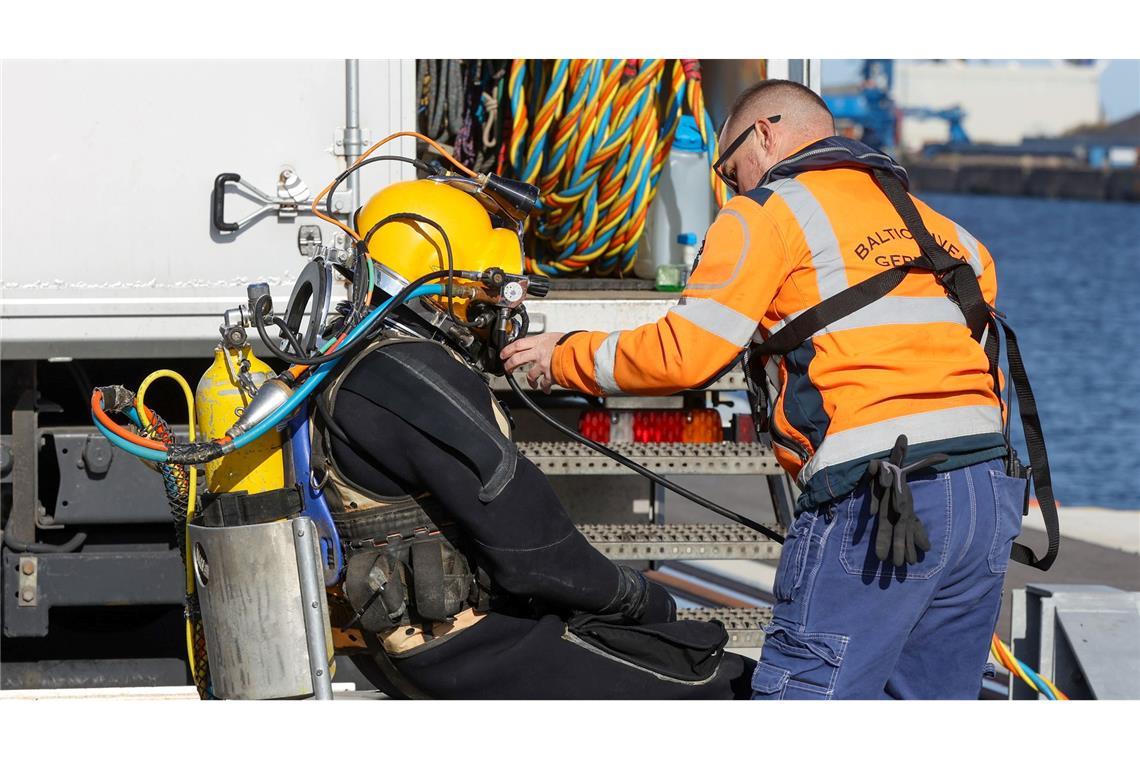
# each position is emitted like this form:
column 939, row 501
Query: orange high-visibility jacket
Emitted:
column 905, row 364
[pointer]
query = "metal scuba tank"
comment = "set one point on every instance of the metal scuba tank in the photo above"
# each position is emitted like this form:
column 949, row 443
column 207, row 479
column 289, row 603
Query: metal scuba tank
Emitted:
column 260, row 465
column 257, row 567
column 264, row 609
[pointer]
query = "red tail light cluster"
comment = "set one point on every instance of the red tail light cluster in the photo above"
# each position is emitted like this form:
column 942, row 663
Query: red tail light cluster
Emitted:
column 673, row 426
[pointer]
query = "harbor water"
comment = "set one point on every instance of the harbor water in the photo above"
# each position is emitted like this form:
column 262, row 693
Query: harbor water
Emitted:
column 1069, row 281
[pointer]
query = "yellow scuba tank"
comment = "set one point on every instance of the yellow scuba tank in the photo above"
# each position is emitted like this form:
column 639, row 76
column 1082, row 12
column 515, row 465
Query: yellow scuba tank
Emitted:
column 257, row 467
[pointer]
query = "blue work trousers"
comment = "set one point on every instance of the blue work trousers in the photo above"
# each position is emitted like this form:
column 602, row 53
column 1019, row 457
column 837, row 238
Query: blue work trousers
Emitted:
column 846, row 626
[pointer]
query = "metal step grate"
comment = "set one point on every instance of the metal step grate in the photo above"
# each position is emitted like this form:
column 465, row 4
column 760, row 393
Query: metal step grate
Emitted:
column 730, row 381
column 726, row 458
column 744, row 624
column 593, row 284
column 679, row 541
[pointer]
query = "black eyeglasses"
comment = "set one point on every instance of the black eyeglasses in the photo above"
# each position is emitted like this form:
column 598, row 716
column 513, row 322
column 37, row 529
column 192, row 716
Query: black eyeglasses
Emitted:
column 730, row 179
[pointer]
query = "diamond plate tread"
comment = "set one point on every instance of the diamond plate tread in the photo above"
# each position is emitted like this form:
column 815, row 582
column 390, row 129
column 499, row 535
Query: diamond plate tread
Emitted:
column 643, row 541
column 731, row 381
column 744, row 624
column 594, row 284
column 670, row 458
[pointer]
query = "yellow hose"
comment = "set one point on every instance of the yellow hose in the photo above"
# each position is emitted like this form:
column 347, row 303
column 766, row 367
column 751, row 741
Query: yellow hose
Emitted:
column 192, row 496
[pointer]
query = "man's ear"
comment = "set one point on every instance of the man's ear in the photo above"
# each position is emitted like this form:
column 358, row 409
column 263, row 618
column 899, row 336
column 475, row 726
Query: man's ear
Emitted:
column 764, row 132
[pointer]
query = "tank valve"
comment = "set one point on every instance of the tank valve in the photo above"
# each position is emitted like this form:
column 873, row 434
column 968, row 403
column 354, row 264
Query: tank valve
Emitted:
column 256, row 290
column 270, row 396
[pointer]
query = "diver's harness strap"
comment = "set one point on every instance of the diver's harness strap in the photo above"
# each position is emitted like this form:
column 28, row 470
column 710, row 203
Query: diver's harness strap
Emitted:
column 404, row 567
column 961, row 284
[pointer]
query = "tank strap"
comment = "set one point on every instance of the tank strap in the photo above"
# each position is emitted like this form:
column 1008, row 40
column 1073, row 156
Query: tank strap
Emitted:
column 224, row 510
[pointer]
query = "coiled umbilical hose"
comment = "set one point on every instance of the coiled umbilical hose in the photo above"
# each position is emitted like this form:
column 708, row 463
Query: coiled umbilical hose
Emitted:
column 599, row 139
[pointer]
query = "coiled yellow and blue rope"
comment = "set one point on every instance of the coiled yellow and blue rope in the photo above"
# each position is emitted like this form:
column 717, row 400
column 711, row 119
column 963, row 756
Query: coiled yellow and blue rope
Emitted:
column 600, row 136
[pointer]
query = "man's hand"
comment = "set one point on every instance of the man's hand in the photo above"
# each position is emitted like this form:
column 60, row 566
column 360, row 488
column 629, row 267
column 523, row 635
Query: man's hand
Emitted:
column 535, row 351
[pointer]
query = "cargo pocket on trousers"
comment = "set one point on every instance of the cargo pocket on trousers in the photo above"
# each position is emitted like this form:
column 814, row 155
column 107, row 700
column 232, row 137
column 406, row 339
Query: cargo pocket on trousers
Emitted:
column 793, row 558
column 798, row 665
column 768, row 681
column 1009, row 502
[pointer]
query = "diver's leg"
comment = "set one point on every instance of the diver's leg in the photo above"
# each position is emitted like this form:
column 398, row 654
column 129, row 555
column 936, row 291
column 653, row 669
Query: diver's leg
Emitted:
column 505, row 657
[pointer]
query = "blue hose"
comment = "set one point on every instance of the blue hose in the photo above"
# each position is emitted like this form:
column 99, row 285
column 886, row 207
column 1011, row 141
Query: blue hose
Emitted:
column 306, row 388
column 303, row 391
column 141, row 452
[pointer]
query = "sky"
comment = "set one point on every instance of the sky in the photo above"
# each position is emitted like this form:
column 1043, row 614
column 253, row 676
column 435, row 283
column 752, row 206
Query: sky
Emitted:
column 1119, row 84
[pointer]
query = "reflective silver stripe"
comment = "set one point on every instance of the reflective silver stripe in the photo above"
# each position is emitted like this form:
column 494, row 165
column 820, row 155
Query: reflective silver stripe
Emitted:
column 847, row 445
column 891, row 310
column 971, row 244
column 604, row 364
column 830, row 271
column 739, row 260
column 772, row 370
column 718, row 319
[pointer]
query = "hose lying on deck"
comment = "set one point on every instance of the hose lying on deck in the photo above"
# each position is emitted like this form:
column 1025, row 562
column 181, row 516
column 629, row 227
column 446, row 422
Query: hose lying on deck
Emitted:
column 1039, row 683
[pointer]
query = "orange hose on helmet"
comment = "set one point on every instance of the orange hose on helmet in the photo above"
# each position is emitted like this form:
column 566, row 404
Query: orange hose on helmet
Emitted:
column 366, row 154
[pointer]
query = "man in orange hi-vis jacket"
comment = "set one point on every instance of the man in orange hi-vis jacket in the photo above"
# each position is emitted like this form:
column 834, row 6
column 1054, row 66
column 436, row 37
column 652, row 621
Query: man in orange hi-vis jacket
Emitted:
column 887, row 411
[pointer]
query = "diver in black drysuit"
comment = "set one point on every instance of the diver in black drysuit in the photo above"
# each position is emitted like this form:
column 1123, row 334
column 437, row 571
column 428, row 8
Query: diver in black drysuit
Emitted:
column 542, row 568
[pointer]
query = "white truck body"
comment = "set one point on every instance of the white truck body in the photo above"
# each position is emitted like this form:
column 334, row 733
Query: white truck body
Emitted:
column 107, row 246
column 108, row 167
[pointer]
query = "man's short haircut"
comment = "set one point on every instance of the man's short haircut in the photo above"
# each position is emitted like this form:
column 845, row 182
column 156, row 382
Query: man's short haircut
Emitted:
column 803, row 98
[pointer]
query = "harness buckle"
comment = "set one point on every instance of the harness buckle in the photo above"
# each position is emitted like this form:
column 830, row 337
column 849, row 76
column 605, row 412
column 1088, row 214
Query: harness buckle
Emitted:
column 390, row 539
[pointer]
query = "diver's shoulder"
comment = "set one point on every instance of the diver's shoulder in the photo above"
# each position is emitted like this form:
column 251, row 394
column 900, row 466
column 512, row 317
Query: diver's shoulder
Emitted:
column 403, row 361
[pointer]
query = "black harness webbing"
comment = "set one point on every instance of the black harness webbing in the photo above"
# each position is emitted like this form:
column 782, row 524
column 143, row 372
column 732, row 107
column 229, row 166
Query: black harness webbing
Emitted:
column 1038, row 457
column 961, row 284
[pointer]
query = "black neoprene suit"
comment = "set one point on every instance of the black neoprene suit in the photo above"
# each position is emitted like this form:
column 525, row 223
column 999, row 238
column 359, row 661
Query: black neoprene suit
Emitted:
column 524, row 538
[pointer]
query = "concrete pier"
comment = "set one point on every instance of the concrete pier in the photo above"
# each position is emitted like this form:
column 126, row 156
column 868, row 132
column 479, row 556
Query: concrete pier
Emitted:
column 1020, row 178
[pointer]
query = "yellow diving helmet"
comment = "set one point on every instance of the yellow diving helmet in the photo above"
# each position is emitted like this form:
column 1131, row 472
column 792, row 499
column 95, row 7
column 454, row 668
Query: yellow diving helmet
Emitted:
column 406, row 248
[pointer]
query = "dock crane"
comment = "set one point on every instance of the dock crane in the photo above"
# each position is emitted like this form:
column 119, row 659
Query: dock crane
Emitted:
column 874, row 111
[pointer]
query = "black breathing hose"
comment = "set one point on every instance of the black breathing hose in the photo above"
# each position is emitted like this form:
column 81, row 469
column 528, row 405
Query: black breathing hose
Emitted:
column 259, row 323
column 287, row 334
column 449, row 264
column 421, row 165
column 627, row 462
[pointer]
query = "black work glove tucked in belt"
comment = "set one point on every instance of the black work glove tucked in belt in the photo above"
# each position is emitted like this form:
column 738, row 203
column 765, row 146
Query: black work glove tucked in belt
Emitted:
column 900, row 534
